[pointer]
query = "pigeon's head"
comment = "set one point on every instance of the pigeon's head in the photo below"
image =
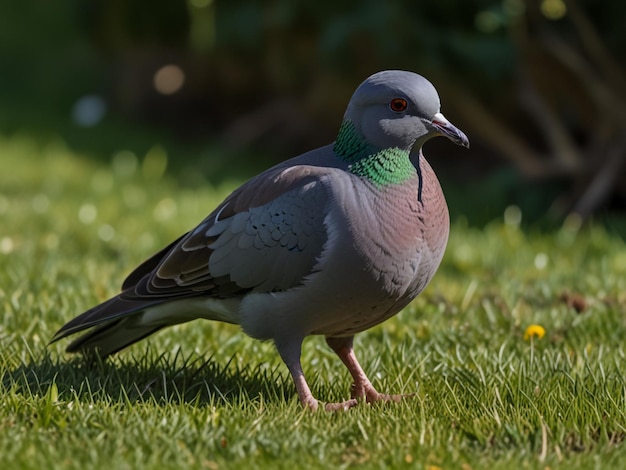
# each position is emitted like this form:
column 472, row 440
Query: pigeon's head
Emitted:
column 395, row 108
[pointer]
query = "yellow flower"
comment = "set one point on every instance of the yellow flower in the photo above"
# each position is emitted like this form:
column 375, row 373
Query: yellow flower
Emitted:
column 534, row 330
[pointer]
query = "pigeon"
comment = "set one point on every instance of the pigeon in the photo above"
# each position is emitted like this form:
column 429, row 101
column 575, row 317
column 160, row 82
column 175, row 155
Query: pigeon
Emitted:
column 331, row 242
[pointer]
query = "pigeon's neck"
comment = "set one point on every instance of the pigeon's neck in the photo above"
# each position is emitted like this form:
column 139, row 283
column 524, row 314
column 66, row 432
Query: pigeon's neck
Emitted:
column 381, row 166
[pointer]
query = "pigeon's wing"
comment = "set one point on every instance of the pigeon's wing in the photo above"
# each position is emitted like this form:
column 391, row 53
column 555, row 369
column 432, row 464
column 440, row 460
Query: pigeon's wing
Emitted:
column 266, row 236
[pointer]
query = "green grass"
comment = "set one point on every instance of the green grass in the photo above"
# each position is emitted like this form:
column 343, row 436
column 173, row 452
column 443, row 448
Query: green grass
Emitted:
column 204, row 395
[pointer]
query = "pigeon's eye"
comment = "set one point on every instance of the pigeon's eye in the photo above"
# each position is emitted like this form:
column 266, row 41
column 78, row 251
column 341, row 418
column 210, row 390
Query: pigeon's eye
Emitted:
column 398, row 105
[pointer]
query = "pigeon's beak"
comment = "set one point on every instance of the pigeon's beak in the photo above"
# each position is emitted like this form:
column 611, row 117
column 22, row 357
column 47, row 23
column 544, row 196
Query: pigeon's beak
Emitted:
column 449, row 130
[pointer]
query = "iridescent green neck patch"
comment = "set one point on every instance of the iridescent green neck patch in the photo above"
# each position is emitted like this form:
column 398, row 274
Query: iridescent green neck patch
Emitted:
column 381, row 166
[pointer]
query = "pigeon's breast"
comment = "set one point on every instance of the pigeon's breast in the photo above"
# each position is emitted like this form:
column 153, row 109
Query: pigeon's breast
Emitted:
column 390, row 242
column 383, row 246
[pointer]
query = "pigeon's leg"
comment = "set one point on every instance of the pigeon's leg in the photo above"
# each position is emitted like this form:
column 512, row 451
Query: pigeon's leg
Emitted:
column 290, row 353
column 362, row 388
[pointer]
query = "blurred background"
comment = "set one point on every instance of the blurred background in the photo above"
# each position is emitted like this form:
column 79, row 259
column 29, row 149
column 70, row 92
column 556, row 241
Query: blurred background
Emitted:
column 226, row 88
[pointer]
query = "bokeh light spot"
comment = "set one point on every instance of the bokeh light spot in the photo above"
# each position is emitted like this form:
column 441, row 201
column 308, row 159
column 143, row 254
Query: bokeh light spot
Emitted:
column 41, row 203
column 487, row 21
column 513, row 216
column 106, row 233
column 553, row 9
column 125, row 163
column 133, row 196
column 165, row 209
column 89, row 110
column 200, row 3
column 51, row 241
column 541, row 261
column 155, row 163
column 169, row 79
column 513, row 7
column 87, row 213
column 6, row 245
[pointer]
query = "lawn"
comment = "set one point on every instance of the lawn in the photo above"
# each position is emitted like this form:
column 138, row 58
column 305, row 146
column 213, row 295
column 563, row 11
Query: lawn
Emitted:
column 203, row 395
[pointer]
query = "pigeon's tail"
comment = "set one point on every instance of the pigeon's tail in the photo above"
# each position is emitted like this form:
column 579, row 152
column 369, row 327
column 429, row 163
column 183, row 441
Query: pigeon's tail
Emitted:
column 116, row 323
column 111, row 337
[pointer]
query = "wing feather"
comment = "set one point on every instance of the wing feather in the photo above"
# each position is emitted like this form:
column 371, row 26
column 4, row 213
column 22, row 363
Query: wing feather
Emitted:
column 224, row 257
column 253, row 241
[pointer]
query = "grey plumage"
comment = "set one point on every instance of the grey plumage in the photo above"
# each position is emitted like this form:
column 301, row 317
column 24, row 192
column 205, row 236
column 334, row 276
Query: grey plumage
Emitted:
column 331, row 242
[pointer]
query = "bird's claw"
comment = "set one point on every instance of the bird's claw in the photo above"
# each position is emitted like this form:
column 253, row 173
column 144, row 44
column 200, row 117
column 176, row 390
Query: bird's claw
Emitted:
column 342, row 406
column 369, row 399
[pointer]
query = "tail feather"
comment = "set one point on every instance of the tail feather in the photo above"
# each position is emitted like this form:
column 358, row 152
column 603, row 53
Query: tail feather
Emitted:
column 115, row 323
column 112, row 309
column 124, row 320
column 112, row 336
